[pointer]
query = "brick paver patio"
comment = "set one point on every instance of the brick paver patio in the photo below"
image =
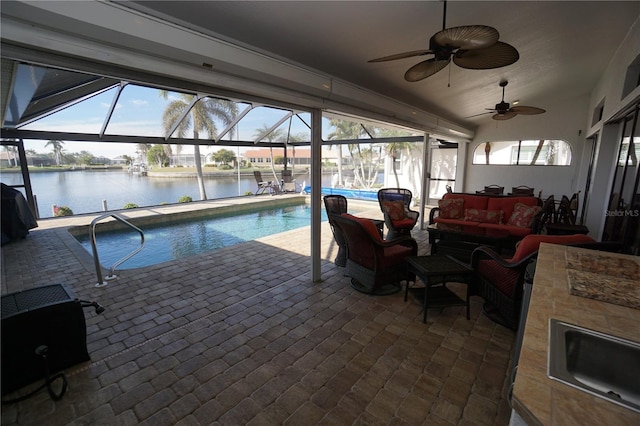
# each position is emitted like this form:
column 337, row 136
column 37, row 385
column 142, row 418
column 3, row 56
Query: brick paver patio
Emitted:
column 241, row 335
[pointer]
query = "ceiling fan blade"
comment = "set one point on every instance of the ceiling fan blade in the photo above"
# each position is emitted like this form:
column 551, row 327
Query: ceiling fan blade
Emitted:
column 527, row 110
column 402, row 55
column 467, row 37
column 496, row 56
column 482, row 113
column 425, row 69
column 506, row 116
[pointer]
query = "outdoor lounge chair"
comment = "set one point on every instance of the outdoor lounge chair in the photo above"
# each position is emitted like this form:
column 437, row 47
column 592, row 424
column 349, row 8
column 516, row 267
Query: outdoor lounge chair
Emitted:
column 288, row 182
column 266, row 186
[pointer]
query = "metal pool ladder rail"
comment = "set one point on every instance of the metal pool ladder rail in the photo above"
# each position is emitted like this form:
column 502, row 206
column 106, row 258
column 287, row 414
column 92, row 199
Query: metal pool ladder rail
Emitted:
column 94, row 247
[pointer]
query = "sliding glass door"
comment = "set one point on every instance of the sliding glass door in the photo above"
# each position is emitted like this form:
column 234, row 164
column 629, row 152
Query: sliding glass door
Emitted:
column 623, row 215
column 442, row 169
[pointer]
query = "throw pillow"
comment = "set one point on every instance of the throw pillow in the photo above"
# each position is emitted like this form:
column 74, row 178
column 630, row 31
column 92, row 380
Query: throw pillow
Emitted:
column 395, row 209
column 523, row 215
column 483, row 216
column 451, row 208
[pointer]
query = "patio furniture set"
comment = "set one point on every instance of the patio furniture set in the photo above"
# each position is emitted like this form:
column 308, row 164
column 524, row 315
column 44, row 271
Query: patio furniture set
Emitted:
column 274, row 187
column 489, row 257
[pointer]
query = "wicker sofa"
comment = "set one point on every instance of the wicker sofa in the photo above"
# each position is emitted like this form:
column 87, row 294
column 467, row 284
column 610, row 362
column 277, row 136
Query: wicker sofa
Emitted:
column 517, row 215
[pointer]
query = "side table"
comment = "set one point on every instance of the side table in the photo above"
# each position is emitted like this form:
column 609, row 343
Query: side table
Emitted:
column 434, row 270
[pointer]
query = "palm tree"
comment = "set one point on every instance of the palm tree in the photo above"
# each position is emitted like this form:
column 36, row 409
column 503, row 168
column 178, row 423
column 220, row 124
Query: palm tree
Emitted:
column 276, row 135
column 343, row 130
column 11, row 153
column 395, row 148
column 200, row 118
column 57, row 149
column 142, row 149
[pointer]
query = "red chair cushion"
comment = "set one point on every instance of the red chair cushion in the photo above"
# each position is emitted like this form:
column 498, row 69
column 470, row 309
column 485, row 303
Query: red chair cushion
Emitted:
column 368, row 224
column 394, row 255
column 532, row 242
column 404, row 223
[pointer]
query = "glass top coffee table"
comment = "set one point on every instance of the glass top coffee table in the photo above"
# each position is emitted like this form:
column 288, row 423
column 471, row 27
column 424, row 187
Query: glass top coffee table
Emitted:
column 435, row 271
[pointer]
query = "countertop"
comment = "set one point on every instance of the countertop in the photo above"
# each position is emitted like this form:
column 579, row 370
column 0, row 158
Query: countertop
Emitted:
column 539, row 399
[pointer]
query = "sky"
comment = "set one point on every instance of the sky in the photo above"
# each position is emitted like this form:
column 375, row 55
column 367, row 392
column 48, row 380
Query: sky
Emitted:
column 139, row 111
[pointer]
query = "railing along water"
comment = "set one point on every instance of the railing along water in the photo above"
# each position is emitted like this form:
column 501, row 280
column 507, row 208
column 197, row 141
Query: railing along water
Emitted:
column 94, row 247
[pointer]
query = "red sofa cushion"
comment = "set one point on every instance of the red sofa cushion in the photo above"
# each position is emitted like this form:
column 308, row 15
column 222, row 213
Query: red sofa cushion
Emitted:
column 483, row 216
column 461, row 222
column 452, row 208
column 514, row 231
column 523, row 215
column 470, row 201
column 507, row 204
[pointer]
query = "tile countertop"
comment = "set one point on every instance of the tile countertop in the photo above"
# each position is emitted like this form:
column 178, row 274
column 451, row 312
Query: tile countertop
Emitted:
column 541, row 400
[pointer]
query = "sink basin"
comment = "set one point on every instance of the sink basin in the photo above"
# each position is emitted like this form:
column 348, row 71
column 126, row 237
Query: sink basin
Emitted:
column 602, row 365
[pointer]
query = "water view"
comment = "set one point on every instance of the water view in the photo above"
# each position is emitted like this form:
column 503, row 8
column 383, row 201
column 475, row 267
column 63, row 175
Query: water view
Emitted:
column 84, row 190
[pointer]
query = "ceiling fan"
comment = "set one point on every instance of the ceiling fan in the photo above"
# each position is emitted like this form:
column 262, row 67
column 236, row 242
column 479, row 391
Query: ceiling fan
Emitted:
column 504, row 111
column 473, row 47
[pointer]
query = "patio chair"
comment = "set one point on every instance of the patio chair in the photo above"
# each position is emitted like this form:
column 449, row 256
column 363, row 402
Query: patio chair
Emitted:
column 288, row 183
column 376, row 266
column 546, row 216
column 395, row 205
column 499, row 281
column 335, row 205
column 492, row 189
column 522, row 190
column 265, row 186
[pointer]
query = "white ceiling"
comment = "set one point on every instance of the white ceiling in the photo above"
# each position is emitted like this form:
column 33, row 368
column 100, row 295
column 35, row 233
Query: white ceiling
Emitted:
column 564, row 46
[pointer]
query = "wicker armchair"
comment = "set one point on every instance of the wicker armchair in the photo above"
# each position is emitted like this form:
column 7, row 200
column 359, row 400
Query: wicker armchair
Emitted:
column 398, row 217
column 335, row 205
column 499, row 281
column 376, row 266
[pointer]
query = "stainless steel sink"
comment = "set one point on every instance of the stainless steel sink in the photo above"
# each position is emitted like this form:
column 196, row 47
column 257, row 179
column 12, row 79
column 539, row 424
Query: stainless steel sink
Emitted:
column 602, row 365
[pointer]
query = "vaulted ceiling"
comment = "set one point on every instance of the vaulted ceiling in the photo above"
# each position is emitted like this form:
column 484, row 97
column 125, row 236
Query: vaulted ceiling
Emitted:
column 564, row 46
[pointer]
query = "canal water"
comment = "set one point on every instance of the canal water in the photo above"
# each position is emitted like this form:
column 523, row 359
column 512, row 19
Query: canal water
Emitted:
column 83, row 191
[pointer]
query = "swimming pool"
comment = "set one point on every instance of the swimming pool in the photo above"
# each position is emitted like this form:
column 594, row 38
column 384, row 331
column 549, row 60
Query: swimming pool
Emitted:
column 170, row 241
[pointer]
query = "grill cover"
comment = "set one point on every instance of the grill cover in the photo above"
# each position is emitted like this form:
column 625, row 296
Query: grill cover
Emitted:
column 50, row 315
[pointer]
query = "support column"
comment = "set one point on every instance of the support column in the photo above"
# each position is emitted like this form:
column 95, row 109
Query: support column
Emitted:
column 316, row 192
column 424, row 180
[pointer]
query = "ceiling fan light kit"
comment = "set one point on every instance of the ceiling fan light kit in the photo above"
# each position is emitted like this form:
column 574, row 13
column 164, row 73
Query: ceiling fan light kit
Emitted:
column 472, row 47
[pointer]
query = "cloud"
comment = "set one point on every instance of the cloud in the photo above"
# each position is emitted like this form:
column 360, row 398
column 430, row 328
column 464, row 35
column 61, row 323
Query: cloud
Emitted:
column 139, row 102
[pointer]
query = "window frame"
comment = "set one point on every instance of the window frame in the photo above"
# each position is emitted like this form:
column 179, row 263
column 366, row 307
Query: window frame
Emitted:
column 482, row 154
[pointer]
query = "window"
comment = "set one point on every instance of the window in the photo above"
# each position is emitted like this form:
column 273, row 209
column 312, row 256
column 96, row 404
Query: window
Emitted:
column 524, row 153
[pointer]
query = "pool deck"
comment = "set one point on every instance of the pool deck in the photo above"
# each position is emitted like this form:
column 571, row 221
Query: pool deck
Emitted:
column 241, row 335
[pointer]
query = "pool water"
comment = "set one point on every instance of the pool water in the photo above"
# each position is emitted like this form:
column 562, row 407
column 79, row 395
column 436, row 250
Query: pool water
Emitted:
column 167, row 242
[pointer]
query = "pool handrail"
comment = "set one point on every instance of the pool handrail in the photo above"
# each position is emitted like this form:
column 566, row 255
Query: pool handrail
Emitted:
column 94, row 247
